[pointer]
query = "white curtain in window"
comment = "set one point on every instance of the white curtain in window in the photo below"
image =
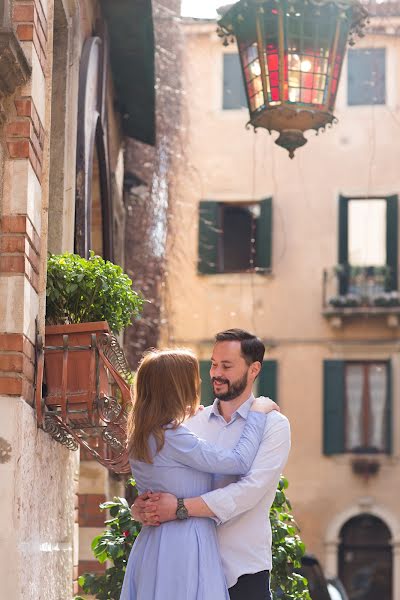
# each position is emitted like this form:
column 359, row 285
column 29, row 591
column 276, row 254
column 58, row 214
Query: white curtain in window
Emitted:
column 367, row 233
column 377, row 380
column 354, row 392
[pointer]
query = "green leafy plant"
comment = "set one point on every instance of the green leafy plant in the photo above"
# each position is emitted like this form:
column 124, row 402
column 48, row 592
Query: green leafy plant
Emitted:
column 287, row 550
column 81, row 290
column 115, row 543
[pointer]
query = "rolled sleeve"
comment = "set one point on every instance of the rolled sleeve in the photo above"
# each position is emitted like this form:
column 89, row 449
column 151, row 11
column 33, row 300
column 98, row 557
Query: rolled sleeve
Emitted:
column 221, row 504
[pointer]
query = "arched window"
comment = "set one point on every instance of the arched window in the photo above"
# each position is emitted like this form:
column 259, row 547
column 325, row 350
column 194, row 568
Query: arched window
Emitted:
column 365, row 558
column 93, row 209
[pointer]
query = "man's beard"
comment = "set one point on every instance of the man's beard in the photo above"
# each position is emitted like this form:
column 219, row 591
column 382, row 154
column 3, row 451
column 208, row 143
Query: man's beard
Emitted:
column 235, row 389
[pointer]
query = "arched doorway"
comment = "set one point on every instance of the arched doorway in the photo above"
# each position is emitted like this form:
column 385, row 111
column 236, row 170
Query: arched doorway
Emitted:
column 365, row 558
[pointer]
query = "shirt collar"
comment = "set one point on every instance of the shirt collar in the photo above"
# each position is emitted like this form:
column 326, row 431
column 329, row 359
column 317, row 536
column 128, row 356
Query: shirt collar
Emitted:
column 243, row 409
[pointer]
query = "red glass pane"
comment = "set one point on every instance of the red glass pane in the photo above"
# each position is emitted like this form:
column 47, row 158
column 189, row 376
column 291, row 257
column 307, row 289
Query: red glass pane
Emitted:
column 273, row 62
column 307, row 80
column 275, row 94
column 305, row 96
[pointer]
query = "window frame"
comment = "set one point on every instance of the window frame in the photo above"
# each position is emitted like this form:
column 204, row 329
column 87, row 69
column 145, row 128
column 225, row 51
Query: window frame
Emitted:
column 392, row 233
column 365, row 412
column 333, row 430
column 211, row 243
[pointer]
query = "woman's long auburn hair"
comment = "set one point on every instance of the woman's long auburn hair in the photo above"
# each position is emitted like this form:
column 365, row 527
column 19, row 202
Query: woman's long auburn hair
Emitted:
column 166, row 391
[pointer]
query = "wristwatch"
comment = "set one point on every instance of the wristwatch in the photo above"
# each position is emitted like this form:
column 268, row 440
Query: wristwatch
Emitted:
column 181, row 511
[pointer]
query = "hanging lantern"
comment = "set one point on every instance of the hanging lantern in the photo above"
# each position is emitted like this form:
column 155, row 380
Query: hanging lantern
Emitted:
column 291, row 54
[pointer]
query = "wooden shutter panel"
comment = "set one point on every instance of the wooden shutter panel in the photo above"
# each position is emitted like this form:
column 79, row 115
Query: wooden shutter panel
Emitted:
column 333, row 407
column 343, row 241
column 389, row 425
column 234, row 96
column 209, row 235
column 264, row 235
column 392, row 240
column 267, row 380
column 207, row 393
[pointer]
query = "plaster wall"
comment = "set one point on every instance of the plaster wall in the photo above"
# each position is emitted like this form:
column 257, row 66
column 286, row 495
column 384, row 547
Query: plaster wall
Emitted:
column 223, row 161
column 36, row 504
column 37, row 475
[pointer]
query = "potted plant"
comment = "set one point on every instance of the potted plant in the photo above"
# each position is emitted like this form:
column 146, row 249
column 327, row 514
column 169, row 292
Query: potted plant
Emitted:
column 85, row 299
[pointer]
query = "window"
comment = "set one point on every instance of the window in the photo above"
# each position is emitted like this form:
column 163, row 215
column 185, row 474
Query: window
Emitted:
column 366, row 76
column 265, row 384
column 235, row 237
column 357, row 406
column 234, row 95
column 368, row 240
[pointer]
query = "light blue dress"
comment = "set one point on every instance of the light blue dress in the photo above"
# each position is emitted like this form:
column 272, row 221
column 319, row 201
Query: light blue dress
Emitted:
column 180, row 560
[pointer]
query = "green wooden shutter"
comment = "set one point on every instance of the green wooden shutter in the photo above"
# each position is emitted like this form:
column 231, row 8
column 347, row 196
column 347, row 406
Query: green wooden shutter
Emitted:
column 207, row 393
column 343, row 241
column 209, row 235
column 267, row 380
column 264, row 235
column 392, row 240
column 389, row 409
column 234, row 95
column 333, row 407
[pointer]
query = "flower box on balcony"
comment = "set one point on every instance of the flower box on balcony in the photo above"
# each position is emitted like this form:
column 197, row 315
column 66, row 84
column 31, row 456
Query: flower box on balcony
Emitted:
column 74, row 377
column 83, row 379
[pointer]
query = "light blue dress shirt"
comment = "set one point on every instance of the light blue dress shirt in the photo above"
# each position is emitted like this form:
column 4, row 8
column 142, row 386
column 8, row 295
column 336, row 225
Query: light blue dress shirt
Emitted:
column 242, row 505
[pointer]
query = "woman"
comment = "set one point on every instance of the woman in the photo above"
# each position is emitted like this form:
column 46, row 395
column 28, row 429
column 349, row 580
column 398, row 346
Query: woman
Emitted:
column 180, row 560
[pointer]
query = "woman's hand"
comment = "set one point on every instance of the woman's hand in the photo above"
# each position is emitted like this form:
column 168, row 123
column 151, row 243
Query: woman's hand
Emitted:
column 264, row 405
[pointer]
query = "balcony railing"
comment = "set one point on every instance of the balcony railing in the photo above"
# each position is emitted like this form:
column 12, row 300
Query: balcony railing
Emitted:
column 355, row 291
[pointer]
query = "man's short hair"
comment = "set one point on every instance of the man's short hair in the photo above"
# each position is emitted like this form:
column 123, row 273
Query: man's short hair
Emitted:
column 251, row 346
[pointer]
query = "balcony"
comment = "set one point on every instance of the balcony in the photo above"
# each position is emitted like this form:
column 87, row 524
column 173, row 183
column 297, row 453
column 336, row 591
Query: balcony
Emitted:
column 353, row 292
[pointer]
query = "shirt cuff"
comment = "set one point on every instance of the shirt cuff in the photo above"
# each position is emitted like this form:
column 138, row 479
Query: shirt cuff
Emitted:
column 221, row 504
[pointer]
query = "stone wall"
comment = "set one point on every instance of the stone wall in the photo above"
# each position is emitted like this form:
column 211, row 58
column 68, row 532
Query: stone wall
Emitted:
column 148, row 184
column 37, row 475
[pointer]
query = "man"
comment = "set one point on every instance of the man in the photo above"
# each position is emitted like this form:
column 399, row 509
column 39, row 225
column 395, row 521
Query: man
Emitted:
column 239, row 506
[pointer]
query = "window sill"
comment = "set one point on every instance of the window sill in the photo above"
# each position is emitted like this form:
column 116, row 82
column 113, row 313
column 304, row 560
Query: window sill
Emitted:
column 348, row 458
column 336, row 316
column 251, row 277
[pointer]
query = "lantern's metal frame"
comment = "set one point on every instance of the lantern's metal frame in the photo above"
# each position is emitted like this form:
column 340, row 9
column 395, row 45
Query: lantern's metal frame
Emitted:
column 290, row 119
column 100, row 425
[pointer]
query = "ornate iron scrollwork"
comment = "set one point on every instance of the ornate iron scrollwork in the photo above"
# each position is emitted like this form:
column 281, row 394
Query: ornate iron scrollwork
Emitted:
column 115, row 355
column 109, row 408
column 88, row 408
column 59, row 433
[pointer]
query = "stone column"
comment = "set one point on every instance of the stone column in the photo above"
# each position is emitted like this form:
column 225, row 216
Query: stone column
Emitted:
column 36, row 473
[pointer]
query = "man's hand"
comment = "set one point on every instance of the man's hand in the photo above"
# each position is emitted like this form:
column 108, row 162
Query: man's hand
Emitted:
column 154, row 508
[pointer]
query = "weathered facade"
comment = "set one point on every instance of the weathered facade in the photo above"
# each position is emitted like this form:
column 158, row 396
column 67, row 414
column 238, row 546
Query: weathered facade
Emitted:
column 253, row 233
column 66, row 105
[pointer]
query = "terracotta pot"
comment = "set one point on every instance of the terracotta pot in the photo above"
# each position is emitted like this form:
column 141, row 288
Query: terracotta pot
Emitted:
column 74, row 376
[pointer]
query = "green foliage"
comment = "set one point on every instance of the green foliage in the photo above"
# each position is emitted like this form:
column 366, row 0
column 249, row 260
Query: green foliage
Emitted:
column 81, row 290
column 116, row 542
column 287, row 550
column 113, row 545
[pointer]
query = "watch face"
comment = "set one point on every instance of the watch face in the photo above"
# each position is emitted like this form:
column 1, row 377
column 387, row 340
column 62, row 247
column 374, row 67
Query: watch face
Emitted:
column 182, row 513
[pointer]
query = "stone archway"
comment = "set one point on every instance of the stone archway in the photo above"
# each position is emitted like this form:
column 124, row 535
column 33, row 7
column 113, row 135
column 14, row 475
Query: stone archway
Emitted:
column 334, row 535
column 365, row 558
